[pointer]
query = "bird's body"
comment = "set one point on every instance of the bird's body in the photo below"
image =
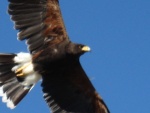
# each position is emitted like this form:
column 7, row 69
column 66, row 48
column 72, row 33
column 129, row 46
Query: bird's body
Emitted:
column 52, row 58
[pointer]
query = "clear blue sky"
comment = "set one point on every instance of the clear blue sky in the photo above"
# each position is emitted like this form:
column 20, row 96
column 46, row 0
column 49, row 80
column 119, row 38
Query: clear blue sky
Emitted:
column 118, row 31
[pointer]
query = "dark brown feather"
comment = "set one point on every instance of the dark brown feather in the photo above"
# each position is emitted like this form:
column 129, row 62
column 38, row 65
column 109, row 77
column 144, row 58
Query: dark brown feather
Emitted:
column 34, row 17
column 67, row 88
column 30, row 31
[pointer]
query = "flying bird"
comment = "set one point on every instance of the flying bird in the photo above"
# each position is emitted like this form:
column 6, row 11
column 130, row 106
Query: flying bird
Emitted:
column 52, row 58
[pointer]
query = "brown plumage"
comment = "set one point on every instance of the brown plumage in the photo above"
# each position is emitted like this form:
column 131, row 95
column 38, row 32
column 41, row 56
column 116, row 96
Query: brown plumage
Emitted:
column 66, row 87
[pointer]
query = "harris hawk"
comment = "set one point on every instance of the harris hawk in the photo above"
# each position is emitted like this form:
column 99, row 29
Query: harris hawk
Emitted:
column 52, row 58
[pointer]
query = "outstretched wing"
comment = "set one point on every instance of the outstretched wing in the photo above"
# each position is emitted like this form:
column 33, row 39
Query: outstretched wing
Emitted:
column 38, row 21
column 68, row 90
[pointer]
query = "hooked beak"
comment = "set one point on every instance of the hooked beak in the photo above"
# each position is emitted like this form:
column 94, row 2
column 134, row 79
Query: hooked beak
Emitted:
column 86, row 48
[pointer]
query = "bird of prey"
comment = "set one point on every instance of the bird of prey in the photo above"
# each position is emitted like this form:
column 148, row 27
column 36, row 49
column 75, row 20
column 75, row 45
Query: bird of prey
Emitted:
column 52, row 58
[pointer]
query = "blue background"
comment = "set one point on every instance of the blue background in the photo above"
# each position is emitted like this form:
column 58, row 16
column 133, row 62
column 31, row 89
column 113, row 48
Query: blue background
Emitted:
column 118, row 31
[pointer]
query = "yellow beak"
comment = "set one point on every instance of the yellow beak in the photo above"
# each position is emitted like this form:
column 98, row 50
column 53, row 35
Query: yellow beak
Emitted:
column 86, row 48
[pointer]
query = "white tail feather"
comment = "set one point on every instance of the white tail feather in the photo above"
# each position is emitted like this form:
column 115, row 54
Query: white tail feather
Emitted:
column 4, row 98
column 1, row 91
column 10, row 104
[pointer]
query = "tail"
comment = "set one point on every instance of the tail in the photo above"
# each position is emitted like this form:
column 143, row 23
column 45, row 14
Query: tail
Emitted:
column 17, row 77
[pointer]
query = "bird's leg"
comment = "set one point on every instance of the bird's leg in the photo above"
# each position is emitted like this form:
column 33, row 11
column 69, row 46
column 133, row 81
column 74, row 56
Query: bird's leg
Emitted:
column 20, row 71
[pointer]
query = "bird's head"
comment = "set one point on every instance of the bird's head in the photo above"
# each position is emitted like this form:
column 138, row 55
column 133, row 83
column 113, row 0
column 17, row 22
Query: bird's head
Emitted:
column 77, row 49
